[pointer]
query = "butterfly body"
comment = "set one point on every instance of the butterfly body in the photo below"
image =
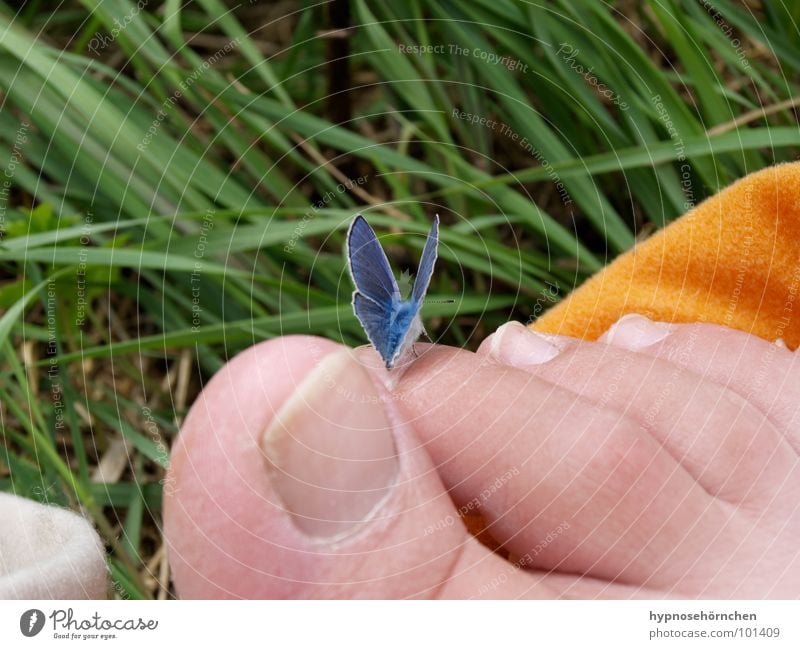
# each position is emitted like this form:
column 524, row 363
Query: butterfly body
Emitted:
column 391, row 323
column 406, row 327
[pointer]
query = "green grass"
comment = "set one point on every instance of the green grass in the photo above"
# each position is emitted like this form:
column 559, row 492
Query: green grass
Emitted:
column 157, row 207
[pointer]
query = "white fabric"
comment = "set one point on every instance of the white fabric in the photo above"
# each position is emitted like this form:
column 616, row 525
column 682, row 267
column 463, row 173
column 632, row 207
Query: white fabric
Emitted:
column 48, row 552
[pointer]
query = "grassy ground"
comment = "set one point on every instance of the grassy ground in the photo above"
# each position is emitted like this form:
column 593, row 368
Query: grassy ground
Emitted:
column 177, row 181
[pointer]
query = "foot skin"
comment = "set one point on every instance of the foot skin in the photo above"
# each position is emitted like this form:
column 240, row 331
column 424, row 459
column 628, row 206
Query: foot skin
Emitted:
column 659, row 461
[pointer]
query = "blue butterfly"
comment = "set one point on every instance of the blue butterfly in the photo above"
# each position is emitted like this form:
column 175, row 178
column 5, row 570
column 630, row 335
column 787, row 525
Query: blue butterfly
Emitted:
column 391, row 323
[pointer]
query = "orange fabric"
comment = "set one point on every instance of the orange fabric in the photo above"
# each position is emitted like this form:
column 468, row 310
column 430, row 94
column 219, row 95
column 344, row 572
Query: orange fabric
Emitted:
column 733, row 260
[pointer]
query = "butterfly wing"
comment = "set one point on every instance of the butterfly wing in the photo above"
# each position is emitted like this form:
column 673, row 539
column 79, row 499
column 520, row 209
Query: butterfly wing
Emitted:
column 369, row 266
column 375, row 318
column 426, row 264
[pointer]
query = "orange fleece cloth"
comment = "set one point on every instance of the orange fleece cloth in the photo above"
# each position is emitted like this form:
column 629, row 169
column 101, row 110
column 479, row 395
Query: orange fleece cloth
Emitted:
column 733, row 260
